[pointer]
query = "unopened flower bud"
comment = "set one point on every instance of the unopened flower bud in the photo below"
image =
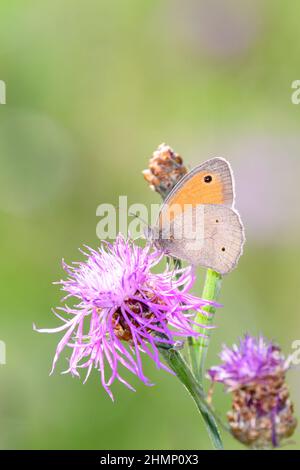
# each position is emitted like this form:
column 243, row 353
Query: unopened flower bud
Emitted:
column 165, row 169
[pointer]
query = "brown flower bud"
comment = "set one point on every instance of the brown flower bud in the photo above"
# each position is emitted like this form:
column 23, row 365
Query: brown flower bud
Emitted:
column 262, row 413
column 165, row 169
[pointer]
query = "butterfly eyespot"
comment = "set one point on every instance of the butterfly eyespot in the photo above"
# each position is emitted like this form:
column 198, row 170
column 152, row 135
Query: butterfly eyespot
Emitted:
column 208, row 179
column 223, row 249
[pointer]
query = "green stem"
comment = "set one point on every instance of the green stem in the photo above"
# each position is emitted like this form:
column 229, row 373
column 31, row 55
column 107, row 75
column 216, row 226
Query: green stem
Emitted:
column 176, row 362
column 199, row 346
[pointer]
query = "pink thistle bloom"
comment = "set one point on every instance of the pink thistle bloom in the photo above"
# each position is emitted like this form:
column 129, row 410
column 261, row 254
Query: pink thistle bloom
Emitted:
column 123, row 310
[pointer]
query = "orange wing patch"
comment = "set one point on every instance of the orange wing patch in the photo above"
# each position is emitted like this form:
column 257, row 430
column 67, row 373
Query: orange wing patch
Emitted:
column 202, row 188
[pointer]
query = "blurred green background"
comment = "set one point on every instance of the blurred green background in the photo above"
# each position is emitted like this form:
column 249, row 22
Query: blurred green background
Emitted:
column 92, row 88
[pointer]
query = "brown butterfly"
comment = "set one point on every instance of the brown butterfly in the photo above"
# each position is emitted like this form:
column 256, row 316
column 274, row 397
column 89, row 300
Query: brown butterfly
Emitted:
column 197, row 221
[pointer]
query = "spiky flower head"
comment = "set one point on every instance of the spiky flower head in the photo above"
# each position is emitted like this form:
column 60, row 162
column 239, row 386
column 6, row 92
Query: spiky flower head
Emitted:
column 254, row 372
column 165, row 169
column 122, row 309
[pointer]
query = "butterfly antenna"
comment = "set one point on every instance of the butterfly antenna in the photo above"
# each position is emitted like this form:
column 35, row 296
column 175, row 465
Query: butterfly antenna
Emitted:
column 136, row 216
column 131, row 214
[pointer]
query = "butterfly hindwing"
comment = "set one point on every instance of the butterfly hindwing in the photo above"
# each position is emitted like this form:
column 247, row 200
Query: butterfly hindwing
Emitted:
column 212, row 236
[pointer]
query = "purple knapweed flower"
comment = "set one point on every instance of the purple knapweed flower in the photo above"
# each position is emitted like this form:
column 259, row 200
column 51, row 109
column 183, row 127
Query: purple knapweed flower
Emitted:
column 253, row 359
column 123, row 309
column 254, row 372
